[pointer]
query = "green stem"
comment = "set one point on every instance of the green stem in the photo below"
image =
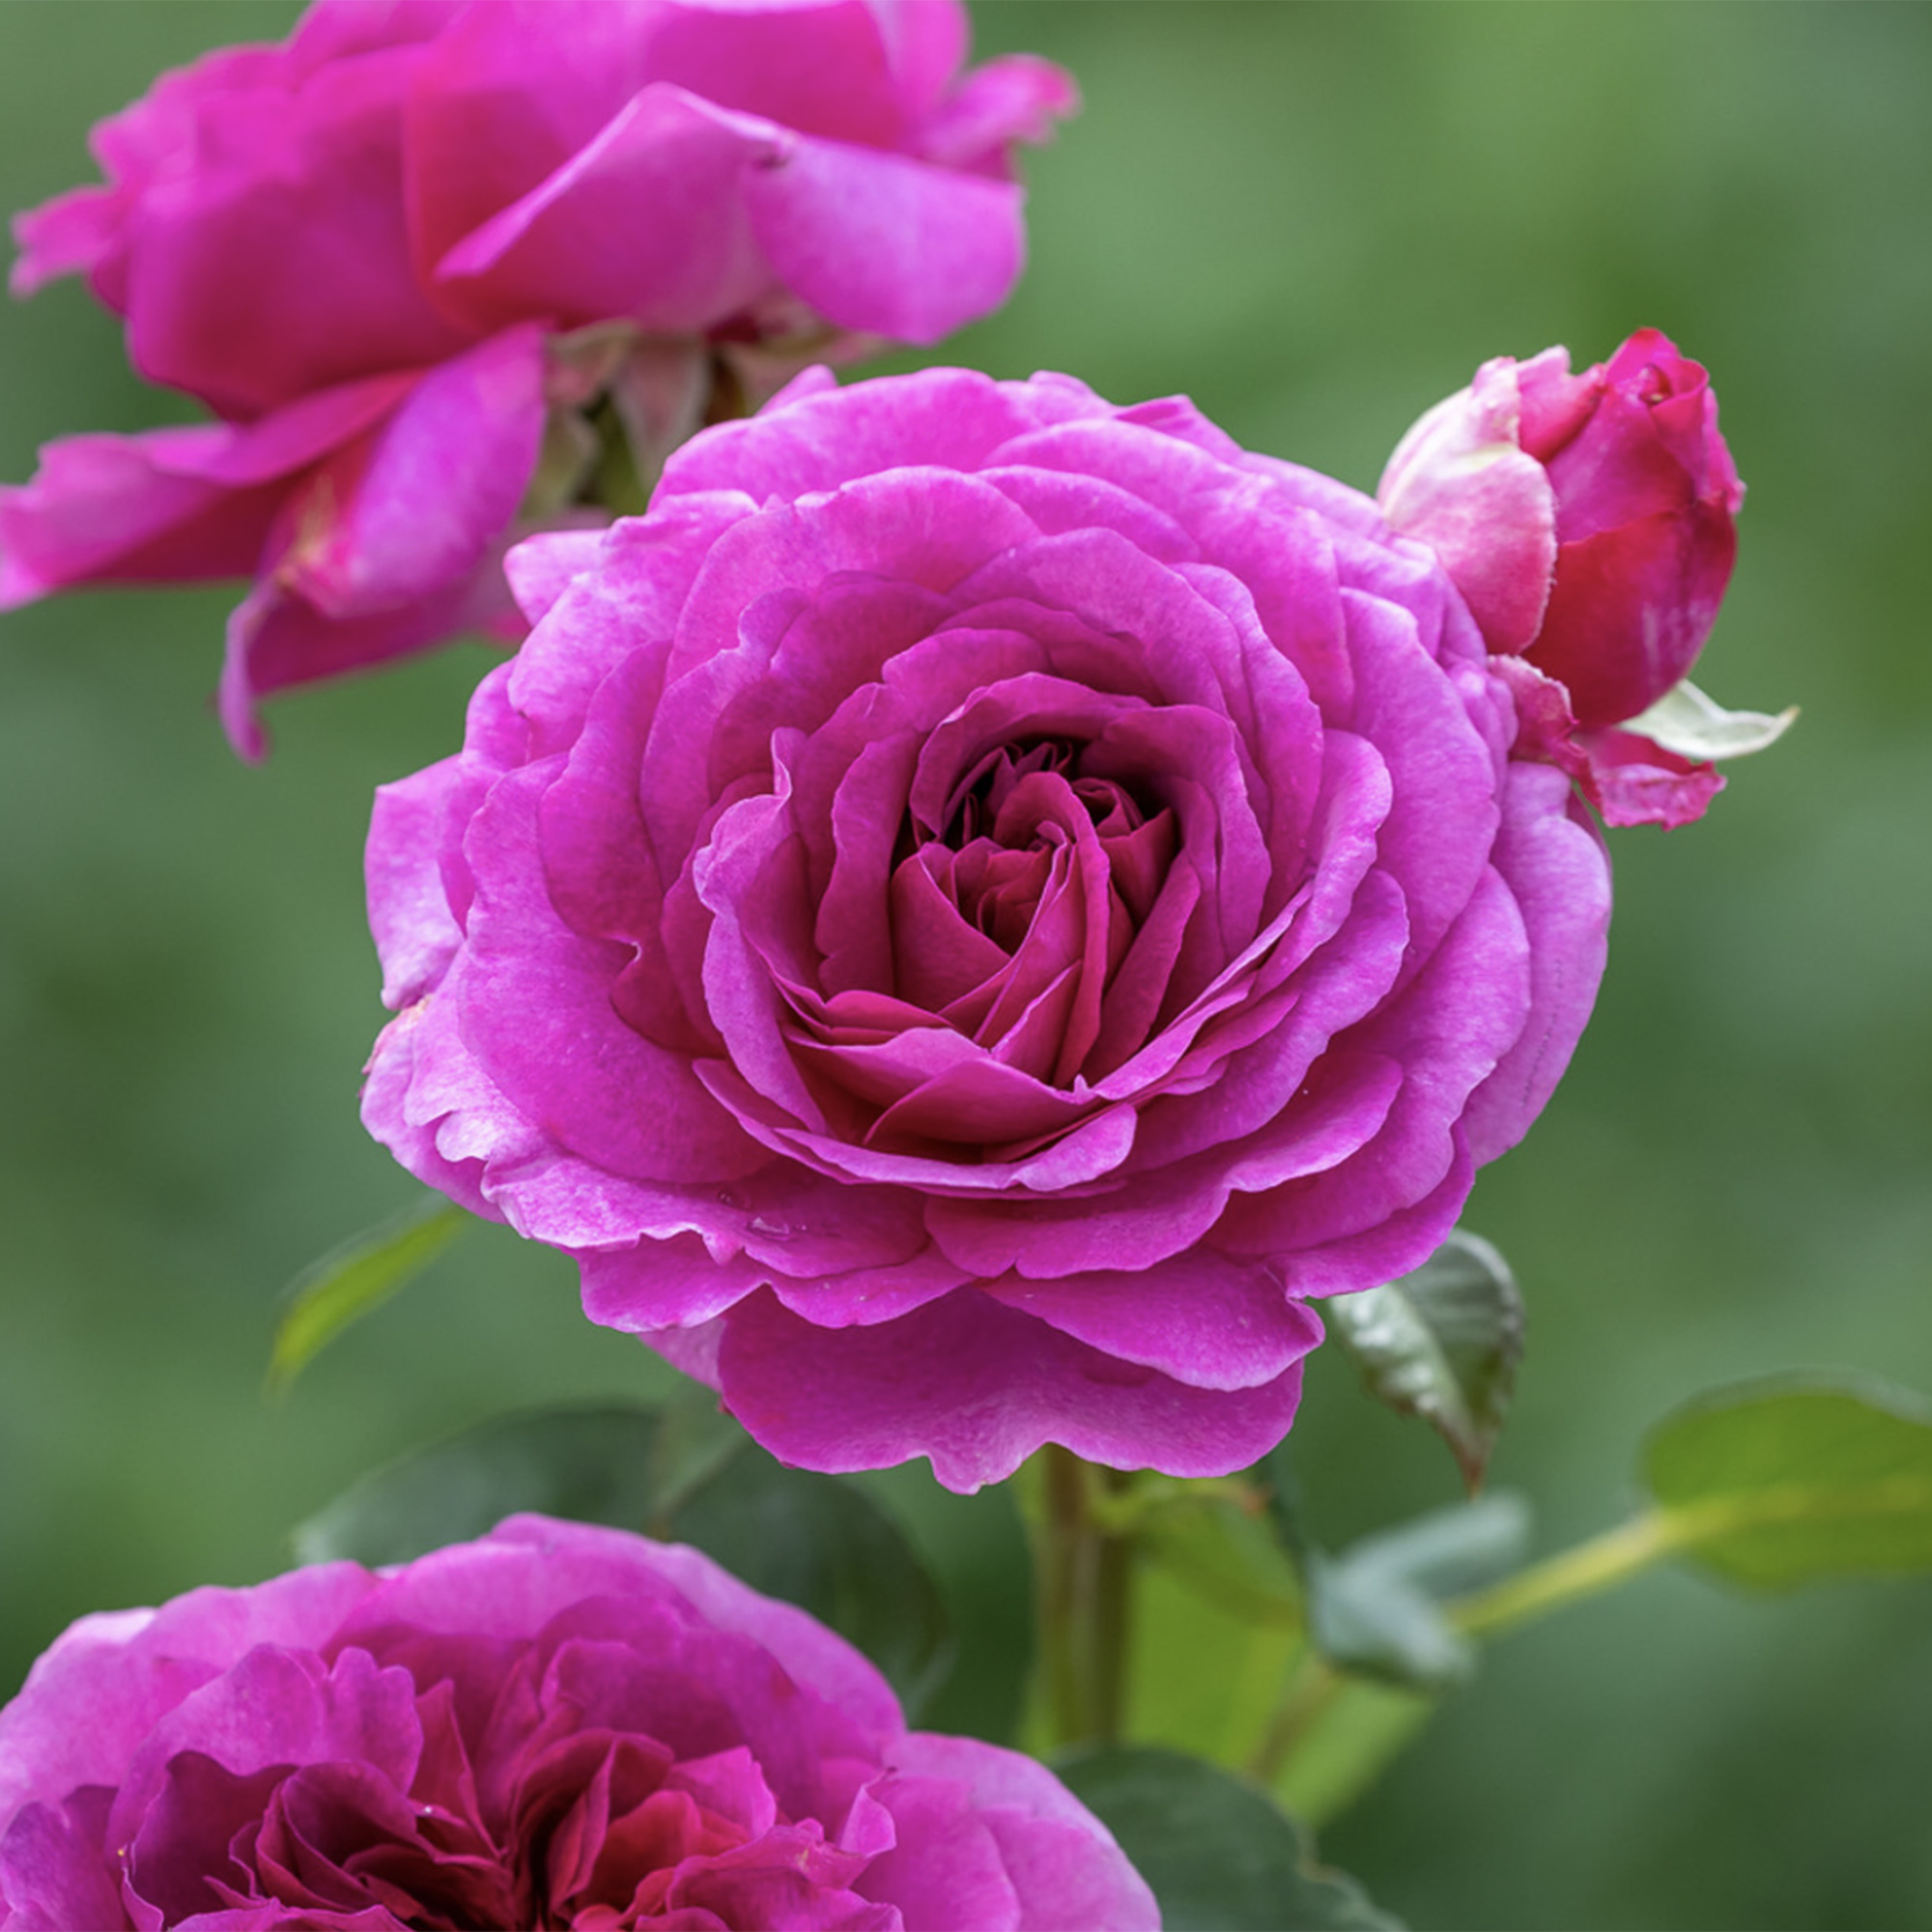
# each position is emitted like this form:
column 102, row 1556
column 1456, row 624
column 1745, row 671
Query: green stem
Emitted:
column 1601, row 1564
column 1086, row 1577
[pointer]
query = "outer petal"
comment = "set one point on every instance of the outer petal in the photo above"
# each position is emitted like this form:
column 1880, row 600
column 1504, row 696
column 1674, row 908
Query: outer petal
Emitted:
column 277, row 264
column 645, row 221
column 110, row 1678
column 86, row 230
column 579, row 1560
column 885, row 243
column 391, row 1081
column 415, row 933
column 174, row 504
column 537, row 1014
column 977, row 1388
column 418, row 508
column 53, row 1874
column 277, row 639
column 815, row 438
column 1554, row 864
column 1633, row 607
column 1458, row 482
column 1062, row 1862
column 1634, row 781
column 1200, row 1318
column 1016, row 97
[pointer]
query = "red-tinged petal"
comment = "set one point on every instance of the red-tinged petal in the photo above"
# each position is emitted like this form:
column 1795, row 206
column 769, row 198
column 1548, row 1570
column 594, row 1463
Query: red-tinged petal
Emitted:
column 1634, row 781
column 1631, row 608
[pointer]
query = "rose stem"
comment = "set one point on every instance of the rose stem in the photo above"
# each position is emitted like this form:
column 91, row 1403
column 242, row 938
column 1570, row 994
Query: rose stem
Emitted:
column 1086, row 1578
column 1601, row 1563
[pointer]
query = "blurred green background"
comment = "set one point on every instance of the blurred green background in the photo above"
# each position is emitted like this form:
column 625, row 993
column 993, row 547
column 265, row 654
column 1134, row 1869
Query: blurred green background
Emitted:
column 1317, row 219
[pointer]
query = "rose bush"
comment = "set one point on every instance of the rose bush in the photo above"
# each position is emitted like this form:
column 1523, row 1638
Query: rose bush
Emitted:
column 448, row 268
column 1589, row 521
column 554, row 1725
column 970, row 912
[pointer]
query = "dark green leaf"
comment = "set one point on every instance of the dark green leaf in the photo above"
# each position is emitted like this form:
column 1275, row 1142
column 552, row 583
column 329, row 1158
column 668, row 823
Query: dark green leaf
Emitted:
column 1377, row 1609
column 362, row 1274
column 1274, row 1476
column 695, row 1439
column 1219, row 1854
column 1442, row 1343
column 1786, row 1481
column 824, row 1544
column 975, row 1548
column 589, row 1464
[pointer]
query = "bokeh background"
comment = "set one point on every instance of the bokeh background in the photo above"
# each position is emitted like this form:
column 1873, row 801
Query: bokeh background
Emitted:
column 1317, row 219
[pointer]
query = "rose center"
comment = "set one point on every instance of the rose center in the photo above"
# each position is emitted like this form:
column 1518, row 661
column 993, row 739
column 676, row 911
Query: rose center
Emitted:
column 1012, row 823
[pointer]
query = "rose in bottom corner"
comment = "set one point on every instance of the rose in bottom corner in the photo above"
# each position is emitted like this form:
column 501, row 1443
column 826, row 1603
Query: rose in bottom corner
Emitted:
column 556, row 1726
column 973, row 910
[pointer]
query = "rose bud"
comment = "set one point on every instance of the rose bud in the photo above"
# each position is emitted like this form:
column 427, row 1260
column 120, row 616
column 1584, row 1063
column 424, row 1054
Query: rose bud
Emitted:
column 1588, row 522
column 554, row 1725
column 451, row 273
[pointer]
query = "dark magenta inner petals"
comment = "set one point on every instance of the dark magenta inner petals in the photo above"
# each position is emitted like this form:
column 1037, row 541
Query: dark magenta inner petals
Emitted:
column 1045, row 917
column 572, row 1821
column 1003, row 797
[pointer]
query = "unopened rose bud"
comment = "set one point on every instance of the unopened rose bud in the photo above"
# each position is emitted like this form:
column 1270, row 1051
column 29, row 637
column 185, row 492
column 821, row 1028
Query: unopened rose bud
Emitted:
column 1645, row 496
column 1587, row 520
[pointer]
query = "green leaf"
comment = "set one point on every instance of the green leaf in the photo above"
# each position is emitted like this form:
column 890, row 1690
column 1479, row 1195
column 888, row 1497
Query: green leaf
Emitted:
column 587, row 1465
column 1218, row 1852
column 825, row 1546
column 695, row 1439
column 1376, row 1610
column 1442, row 1343
column 975, row 1548
column 1695, row 726
column 1786, row 1482
column 688, row 1474
column 362, row 1274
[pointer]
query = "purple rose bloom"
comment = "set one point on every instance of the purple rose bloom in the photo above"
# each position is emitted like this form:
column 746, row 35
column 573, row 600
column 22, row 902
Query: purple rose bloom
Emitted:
column 970, row 912
column 555, row 1726
column 433, row 261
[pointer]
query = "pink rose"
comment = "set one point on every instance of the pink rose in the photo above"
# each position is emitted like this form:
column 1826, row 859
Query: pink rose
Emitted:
column 555, row 1726
column 420, row 246
column 1588, row 520
column 970, row 913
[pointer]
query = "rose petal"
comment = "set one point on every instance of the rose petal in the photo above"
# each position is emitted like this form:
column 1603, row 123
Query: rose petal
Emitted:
column 977, row 1388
